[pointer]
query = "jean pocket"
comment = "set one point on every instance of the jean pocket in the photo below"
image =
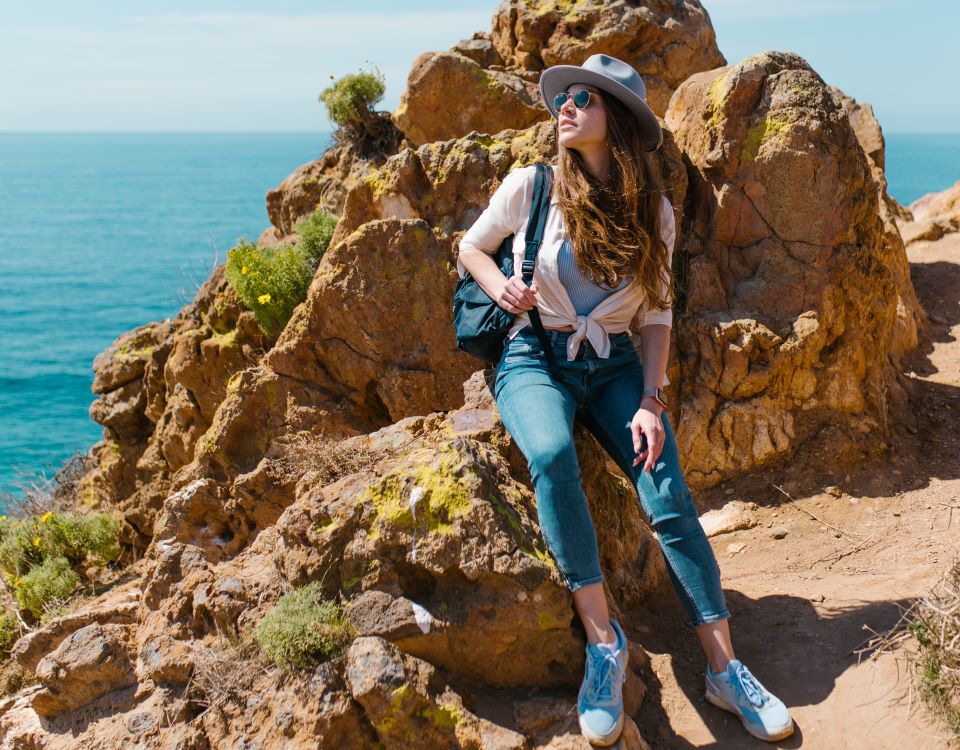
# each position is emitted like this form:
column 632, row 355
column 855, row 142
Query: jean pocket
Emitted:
column 620, row 344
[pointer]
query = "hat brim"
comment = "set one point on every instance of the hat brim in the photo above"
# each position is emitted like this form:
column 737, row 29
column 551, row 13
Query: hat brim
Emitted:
column 557, row 78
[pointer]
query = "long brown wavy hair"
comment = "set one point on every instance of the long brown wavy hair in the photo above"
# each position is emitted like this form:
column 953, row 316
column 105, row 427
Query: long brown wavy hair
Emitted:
column 615, row 228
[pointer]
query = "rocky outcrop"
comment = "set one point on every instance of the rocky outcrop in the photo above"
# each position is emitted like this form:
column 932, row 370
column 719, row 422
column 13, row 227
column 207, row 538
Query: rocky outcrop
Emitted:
column 493, row 77
column 794, row 286
column 323, row 183
column 432, row 543
column 932, row 216
column 160, row 386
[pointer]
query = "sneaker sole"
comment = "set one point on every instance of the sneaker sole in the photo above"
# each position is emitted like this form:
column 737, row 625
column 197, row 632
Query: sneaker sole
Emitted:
column 721, row 703
column 604, row 740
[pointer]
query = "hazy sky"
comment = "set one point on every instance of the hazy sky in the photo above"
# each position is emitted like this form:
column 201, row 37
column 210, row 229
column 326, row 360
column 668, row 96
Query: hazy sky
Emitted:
column 245, row 65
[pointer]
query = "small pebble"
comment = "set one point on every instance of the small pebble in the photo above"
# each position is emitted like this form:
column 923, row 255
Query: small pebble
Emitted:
column 779, row 532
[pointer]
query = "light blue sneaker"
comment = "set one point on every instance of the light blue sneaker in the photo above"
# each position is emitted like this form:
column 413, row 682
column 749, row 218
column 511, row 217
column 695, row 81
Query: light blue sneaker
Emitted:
column 600, row 701
column 736, row 690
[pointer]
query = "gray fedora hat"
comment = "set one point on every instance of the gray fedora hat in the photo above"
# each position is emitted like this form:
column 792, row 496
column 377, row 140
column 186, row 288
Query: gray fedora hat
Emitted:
column 611, row 76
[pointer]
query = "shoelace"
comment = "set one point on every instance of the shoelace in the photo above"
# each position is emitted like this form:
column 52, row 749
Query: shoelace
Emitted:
column 750, row 687
column 601, row 689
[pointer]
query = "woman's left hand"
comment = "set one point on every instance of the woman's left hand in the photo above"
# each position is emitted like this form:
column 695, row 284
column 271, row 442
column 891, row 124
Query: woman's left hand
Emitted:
column 647, row 422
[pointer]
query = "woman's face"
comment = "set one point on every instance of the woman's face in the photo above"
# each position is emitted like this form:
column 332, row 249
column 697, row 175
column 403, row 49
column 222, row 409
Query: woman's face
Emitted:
column 582, row 128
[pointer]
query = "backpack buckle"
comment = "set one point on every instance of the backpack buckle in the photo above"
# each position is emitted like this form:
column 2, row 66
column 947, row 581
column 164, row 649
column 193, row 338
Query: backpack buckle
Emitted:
column 527, row 266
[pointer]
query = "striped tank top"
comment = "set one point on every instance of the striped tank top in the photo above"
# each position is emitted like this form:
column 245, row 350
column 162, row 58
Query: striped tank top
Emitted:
column 584, row 294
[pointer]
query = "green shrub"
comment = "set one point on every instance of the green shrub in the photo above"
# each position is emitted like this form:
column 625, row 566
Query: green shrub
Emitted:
column 362, row 130
column 27, row 542
column 9, row 631
column 303, row 628
column 38, row 555
column 314, row 233
column 350, row 100
column 53, row 580
column 269, row 281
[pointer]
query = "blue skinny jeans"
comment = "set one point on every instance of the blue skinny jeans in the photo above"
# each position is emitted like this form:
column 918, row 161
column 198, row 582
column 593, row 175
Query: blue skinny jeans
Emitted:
column 603, row 395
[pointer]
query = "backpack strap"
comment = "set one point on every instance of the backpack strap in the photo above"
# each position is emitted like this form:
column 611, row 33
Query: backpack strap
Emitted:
column 534, row 237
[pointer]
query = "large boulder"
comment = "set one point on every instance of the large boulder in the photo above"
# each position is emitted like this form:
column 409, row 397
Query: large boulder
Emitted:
column 89, row 663
column 792, row 291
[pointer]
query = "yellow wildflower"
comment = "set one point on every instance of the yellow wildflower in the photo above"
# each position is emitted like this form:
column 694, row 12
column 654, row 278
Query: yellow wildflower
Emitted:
column 36, row 541
column 263, row 298
column 46, row 516
column 17, row 581
column 3, row 518
column 243, row 270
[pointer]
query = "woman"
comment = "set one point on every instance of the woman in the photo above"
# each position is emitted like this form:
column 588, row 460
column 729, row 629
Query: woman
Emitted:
column 605, row 261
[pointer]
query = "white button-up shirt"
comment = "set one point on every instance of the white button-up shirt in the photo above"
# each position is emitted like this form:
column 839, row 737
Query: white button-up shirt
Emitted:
column 508, row 213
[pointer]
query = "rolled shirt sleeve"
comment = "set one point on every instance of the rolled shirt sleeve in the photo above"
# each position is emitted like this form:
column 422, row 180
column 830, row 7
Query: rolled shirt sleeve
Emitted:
column 668, row 228
column 502, row 216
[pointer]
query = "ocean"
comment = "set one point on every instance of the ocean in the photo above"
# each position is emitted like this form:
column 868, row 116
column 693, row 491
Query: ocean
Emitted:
column 103, row 232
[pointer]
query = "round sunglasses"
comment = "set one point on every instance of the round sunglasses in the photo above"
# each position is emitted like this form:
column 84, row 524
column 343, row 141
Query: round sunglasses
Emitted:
column 581, row 98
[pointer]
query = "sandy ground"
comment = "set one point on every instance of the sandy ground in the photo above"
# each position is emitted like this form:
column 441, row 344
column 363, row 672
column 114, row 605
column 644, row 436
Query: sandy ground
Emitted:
column 803, row 604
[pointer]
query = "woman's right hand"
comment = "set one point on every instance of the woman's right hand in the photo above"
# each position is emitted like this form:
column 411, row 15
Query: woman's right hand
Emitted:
column 515, row 296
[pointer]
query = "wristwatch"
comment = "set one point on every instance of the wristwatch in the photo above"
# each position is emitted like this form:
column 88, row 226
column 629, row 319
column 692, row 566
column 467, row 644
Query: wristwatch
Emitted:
column 657, row 393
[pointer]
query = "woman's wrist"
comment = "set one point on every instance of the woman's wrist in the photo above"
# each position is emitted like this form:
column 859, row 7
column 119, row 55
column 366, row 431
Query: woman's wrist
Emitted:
column 651, row 403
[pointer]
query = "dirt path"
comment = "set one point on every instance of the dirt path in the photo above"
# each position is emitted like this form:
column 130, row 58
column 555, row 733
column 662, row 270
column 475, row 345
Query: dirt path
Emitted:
column 801, row 604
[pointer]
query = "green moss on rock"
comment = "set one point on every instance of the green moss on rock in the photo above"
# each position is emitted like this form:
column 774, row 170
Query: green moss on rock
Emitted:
column 445, row 497
column 770, row 127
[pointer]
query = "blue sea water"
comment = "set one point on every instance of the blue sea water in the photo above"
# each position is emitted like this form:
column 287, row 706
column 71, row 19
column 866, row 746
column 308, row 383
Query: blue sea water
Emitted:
column 102, row 232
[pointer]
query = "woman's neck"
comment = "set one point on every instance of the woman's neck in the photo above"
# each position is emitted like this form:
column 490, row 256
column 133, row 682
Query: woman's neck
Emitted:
column 597, row 162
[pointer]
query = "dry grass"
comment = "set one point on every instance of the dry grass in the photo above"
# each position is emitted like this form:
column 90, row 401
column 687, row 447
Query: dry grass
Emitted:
column 333, row 459
column 225, row 672
column 927, row 638
column 41, row 493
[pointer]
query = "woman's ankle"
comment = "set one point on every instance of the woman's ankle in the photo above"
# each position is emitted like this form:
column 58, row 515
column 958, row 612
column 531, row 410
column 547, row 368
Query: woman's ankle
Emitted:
column 719, row 665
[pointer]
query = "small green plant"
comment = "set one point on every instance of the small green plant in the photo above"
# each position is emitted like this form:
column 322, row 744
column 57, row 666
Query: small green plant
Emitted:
column 52, row 580
column 303, row 628
column 28, row 541
column 9, row 631
column 270, row 281
column 350, row 99
column 314, row 233
column 349, row 104
column 40, row 555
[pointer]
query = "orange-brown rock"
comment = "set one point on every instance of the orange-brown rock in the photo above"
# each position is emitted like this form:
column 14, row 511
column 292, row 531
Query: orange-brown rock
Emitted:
column 161, row 385
column 89, row 663
column 323, row 183
column 910, row 315
column 490, row 81
column 377, row 327
column 118, row 607
column 793, row 288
